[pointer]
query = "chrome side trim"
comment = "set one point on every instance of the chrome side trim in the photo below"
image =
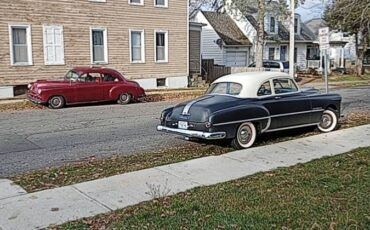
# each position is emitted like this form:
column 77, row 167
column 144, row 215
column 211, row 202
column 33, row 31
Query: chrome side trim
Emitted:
column 292, row 127
column 267, row 126
column 296, row 113
column 240, row 121
column 193, row 133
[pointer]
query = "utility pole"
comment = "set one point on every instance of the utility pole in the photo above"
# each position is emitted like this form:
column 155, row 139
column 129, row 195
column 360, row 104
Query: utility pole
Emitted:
column 291, row 39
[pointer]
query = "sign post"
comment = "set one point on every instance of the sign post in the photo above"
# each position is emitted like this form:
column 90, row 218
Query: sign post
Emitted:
column 324, row 46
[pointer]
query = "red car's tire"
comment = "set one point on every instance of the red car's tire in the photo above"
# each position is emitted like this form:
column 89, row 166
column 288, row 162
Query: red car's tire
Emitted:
column 124, row 99
column 56, row 102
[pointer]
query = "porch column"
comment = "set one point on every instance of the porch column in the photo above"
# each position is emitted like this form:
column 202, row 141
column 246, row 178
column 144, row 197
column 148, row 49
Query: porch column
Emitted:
column 342, row 57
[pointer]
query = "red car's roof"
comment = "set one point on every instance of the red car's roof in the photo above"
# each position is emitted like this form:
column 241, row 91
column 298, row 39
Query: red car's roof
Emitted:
column 82, row 69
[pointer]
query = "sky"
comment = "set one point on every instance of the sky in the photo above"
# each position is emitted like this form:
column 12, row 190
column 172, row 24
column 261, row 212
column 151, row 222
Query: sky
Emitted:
column 312, row 9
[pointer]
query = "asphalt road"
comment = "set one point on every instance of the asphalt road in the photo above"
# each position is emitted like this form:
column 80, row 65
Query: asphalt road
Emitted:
column 31, row 140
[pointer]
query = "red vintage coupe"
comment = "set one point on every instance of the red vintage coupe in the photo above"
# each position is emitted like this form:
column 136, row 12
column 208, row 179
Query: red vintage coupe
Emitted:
column 85, row 85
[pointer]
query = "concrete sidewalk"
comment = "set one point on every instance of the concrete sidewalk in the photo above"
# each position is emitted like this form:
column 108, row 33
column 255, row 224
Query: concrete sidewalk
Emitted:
column 56, row 206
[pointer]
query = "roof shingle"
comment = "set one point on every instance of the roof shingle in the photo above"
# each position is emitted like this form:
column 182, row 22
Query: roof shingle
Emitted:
column 226, row 28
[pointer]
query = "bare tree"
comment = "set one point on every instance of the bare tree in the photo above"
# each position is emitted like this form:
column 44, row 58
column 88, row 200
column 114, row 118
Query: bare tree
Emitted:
column 351, row 16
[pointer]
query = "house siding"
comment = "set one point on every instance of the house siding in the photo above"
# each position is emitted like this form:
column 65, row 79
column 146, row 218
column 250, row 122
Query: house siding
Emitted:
column 194, row 48
column 210, row 50
column 77, row 17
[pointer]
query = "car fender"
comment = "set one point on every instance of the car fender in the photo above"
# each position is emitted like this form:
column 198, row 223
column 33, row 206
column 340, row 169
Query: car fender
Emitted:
column 115, row 91
column 237, row 115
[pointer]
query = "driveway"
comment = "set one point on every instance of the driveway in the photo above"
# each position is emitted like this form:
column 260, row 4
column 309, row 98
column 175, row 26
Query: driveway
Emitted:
column 31, row 140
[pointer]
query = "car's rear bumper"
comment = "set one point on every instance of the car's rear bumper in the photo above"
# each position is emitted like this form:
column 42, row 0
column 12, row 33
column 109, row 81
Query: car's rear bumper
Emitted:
column 193, row 133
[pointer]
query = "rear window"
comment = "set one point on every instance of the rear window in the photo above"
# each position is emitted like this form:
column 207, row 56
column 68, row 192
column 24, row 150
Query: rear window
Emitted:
column 227, row 88
column 286, row 65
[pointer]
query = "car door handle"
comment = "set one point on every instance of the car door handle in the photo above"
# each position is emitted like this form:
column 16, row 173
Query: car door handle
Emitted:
column 277, row 98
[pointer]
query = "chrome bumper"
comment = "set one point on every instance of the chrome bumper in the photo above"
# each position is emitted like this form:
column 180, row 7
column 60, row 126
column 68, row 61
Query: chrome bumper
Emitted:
column 193, row 133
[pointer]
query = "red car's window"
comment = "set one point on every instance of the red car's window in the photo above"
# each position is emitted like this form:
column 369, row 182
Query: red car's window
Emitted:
column 90, row 77
column 109, row 78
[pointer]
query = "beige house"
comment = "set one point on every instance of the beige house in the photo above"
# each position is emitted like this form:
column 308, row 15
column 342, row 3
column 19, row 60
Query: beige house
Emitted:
column 146, row 40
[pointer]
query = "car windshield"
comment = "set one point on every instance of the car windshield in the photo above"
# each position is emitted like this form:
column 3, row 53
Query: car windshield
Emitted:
column 228, row 88
column 71, row 76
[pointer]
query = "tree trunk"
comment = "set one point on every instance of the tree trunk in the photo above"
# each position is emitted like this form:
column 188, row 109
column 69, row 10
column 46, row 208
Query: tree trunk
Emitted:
column 361, row 54
column 260, row 33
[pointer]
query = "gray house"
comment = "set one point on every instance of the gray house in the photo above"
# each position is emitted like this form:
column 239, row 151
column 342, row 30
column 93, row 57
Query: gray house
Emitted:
column 222, row 40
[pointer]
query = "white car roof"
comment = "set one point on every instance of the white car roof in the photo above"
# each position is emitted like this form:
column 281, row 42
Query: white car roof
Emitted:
column 251, row 81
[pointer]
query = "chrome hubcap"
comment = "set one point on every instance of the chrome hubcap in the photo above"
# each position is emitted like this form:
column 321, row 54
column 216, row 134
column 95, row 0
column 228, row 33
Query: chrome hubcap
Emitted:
column 56, row 101
column 245, row 135
column 326, row 121
column 123, row 97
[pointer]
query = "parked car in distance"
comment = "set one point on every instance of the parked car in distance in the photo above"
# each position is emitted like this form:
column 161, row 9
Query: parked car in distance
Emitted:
column 85, row 85
column 239, row 107
column 282, row 66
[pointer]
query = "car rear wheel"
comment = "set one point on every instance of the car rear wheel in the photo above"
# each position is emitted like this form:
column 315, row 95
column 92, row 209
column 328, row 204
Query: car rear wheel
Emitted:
column 245, row 136
column 124, row 99
column 328, row 122
column 56, row 102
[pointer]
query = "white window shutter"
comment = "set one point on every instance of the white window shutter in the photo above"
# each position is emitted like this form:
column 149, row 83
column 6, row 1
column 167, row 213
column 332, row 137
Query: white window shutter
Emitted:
column 53, row 45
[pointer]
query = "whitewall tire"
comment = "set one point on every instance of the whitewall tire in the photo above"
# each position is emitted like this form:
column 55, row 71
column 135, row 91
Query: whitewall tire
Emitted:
column 328, row 122
column 56, row 102
column 245, row 136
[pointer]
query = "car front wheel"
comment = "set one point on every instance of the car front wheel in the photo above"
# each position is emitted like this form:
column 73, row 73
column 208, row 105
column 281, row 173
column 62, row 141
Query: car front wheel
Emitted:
column 245, row 136
column 56, row 102
column 124, row 99
column 328, row 122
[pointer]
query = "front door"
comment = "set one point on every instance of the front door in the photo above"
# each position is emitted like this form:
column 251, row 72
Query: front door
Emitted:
column 283, row 52
column 87, row 88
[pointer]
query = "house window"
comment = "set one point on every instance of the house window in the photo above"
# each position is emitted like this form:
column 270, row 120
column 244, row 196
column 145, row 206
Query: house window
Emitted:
column 295, row 25
column 99, row 50
column 161, row 46
column 20, row 45
column 136, row 2
column 161, row 82
column 53, row 45
column 295, row 55
column 272, row 25
column 271, row 53
column 161, row 3
column 137, row 48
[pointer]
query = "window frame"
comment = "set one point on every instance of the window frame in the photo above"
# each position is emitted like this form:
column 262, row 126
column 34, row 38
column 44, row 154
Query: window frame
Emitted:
column 165, row 32
column 161, row 6
column 272, row 92
column 297, row 26
column 105, row 40
column 283, row 78
column 62, row 62
column 29, row 44
column 142, row 61
column 270, row 48
column 274, row 27
column 136, row 4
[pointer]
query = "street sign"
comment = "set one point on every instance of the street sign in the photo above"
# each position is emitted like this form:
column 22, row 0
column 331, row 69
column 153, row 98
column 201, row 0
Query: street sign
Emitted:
column 324, row 38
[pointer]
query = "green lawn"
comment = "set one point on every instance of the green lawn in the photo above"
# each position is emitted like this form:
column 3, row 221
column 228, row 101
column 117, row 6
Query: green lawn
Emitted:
column 349, row 78
column 331, row 193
